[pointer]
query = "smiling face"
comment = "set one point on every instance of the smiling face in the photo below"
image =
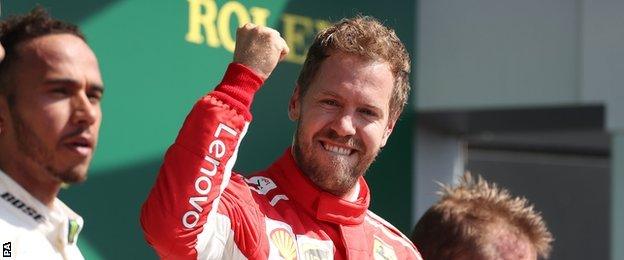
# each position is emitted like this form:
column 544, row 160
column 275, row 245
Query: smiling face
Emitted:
column 51, row 119
column 343, row 120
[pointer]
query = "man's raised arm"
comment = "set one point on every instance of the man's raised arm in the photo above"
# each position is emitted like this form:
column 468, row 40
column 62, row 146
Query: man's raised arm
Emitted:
column 180, row 209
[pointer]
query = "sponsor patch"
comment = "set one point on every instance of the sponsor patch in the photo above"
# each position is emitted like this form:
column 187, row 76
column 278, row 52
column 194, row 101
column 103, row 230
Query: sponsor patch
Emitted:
column 314, row 249
column 261, row 185
column 285, row 243
column 282, row 240
column 22, row 206
column 72, row 233
column 383, row 251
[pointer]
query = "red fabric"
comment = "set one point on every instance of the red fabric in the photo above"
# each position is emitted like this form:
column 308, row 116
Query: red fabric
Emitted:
column 199, row 208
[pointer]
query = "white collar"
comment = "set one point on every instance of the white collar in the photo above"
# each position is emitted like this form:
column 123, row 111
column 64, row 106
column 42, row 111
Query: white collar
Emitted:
column 356, row 192
column 58, row 221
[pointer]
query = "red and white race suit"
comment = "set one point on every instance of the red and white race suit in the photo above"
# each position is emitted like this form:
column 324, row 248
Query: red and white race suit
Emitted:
column 200, row 209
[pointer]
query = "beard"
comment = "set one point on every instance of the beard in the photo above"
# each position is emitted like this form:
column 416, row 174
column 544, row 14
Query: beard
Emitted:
column 33, row 147
column 337, row 174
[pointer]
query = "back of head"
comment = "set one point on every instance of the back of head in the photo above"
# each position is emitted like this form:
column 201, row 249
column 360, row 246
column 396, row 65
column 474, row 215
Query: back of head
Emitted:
column 478, row 220
column 365, row 37
column 16, row 30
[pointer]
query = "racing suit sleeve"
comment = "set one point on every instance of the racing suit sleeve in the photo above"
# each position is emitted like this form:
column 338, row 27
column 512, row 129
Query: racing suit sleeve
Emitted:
column 197, row 169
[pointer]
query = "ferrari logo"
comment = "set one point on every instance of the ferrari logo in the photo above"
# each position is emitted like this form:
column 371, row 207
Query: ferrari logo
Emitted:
column 383, row 251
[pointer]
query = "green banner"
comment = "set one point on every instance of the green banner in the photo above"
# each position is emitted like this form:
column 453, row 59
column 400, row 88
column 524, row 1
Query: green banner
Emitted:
column 158, row 57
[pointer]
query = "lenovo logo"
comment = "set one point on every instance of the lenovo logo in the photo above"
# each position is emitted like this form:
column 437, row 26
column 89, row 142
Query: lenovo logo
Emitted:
column 203, row 184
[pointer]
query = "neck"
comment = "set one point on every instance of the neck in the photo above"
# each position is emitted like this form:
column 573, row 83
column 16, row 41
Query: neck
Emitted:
column 36, row 180
column 353, row 194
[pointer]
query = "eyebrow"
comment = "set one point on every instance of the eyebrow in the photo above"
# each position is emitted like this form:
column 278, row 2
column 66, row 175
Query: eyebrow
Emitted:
column 68, row 81
column 334, row 94
column 329, row 93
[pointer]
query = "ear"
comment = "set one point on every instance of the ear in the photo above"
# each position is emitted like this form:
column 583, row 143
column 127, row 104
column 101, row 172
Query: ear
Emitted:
column 388, row 131
column 294, row 105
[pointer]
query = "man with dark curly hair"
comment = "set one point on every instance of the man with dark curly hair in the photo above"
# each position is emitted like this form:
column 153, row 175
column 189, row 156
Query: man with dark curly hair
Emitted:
column 478, row 220
column 312, row 202
column 50, row 92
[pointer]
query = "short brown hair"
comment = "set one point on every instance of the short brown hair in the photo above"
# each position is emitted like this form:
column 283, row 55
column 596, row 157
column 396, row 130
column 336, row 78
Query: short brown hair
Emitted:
column 366, row 37
column 18, row 29
column 458, row 223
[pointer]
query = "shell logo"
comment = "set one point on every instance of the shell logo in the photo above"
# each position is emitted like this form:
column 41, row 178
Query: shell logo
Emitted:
column 285, row 243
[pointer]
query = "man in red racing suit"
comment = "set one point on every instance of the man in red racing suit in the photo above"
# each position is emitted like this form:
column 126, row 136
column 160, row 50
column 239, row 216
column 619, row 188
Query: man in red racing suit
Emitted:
column 200, row 209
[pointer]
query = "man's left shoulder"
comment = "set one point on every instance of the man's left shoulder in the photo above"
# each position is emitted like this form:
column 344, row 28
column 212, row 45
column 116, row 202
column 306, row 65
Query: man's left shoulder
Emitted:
column 388, row 235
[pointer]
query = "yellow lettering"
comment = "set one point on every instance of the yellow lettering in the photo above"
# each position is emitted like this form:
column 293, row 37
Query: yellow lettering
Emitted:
column 213, row 24
column 259, row 15
column 322, row 24
column 296, row 28
column 199, row 19
column 223, row 21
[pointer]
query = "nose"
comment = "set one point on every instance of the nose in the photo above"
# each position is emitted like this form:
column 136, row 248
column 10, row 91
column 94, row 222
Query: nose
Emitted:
column 343, row 125
column 83, row 111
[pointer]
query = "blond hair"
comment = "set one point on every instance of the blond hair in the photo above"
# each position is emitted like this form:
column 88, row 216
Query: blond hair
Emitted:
column 459, row 222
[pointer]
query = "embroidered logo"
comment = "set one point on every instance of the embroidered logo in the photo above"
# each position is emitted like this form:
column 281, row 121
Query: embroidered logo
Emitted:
column 72, row 233
column 310, row 252
column 383, row 251
column 315, row 254
column 314, row 249
column 285, row 243
column 261, row 185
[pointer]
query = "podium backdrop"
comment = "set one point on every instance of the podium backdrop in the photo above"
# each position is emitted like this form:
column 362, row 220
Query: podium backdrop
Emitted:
column 158, row 57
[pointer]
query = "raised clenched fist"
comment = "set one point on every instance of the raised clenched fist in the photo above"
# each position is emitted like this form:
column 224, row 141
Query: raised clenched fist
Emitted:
column 259, row 48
